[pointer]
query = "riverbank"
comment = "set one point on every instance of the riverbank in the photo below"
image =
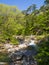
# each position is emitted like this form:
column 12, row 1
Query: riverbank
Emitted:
column 4, row 54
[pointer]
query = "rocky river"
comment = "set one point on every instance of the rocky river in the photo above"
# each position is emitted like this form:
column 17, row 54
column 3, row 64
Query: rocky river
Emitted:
column 23, row 54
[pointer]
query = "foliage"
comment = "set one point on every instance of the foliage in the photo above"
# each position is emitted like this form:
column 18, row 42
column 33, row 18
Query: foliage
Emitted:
column 38, row 24
column 43, row 52
column 14, row 22
column 11, row 22
column 30, row 9
column 46, row 1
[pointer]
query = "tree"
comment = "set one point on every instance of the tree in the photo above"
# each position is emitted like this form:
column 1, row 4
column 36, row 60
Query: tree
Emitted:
column 11, row 22
column 46, row 1
column 31, row 8
column 43, row 52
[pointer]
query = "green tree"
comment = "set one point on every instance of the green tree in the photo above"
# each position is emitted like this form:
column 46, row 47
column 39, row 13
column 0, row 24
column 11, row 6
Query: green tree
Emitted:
column 46, row 1
column 31, row 8
column 43, row 53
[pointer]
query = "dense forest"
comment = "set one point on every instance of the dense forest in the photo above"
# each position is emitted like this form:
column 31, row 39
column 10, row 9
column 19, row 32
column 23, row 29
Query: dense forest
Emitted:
column 31, row 21
column 15, row 22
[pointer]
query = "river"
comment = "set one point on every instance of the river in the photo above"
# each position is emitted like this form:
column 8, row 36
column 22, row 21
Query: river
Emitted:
column 24, row 56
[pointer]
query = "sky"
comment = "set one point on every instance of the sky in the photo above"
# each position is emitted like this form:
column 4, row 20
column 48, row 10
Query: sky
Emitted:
column 22, row 4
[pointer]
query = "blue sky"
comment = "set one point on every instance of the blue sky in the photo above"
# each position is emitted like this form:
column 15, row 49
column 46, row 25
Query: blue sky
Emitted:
column 22, row 4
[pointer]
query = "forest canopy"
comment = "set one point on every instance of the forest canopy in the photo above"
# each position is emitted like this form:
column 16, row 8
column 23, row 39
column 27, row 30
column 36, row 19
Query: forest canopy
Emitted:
column 15, row 22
